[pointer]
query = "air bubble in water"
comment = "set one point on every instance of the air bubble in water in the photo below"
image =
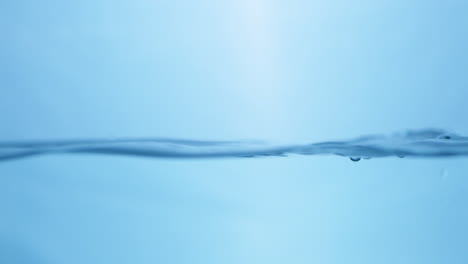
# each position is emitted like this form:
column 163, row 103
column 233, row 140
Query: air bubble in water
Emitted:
column 355, row 159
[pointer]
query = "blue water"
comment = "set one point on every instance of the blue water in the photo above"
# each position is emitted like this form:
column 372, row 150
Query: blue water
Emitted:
column 114, row 116
column 420, row 143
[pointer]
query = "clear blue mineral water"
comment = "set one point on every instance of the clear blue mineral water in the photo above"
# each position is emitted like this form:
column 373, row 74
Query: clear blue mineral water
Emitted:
column 248, row 131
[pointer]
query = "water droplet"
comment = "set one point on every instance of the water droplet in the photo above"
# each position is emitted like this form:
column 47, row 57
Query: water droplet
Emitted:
column 400, row 156
column 355, row 159
column 444, row 174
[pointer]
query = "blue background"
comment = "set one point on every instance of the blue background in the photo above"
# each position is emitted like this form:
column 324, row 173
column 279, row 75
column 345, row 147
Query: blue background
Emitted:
column 283, row 71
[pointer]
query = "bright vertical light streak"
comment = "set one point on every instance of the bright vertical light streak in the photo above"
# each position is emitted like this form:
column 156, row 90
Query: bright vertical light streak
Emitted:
column 257, row 49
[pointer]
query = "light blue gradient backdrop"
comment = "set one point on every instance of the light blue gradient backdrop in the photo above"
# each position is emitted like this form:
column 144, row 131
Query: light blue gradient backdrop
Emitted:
column 287, row 71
